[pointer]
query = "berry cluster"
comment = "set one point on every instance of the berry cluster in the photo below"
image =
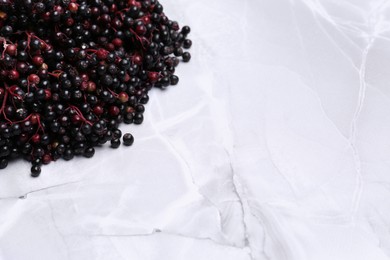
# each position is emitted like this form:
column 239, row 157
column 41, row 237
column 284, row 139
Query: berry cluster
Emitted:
column 71, row 71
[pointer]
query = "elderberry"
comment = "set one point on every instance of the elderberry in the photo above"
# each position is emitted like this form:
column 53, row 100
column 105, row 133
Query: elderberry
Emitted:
column 72, row 71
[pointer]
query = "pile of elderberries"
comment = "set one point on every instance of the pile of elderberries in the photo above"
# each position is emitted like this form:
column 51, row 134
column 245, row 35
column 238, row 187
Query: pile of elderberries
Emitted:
column 71, row 71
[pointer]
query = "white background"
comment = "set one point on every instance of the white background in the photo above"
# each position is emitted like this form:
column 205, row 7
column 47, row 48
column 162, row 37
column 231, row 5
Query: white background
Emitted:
column 275, row 145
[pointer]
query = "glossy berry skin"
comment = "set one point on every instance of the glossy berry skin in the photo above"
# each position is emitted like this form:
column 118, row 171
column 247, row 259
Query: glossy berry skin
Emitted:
column 3, row 163
column 186, row 30
column 35, row 171
column 187, row 43
column 138, row 118
column 89, row 152
column 116, row 134
column 186, row 57
column 115, row 143
column 68, row 155
column 128, row 139
column 174, row 80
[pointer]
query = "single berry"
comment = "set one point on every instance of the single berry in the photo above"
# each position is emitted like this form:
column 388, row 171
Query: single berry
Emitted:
column 186, row 57
column 35, row 171
column 115, row 143
column 128, row 139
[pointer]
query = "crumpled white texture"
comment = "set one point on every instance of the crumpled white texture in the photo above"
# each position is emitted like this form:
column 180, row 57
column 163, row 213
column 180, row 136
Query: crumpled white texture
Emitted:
column 275, row 145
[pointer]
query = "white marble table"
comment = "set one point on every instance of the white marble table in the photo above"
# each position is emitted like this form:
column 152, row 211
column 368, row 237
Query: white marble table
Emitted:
column 275, row 145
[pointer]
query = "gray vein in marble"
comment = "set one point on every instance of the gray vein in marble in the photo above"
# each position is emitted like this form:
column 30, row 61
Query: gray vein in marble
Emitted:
column 188, row 170
column 24, row 196
column 235, row 182
column 326, row 33
column 362, row 94
column 303, row 47
column 279, row 171
column 324, row 113
column 272, row 233
column 327, row 17
column 163, row 232
column 353, row 134
column 240, row 197
column 56, row 227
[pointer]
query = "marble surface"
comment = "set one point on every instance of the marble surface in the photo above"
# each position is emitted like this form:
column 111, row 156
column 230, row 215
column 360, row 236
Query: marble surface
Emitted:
column 275, row 145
